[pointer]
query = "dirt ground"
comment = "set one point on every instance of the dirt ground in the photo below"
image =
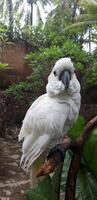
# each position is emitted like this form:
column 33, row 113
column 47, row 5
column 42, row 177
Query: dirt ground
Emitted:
column 13, row 180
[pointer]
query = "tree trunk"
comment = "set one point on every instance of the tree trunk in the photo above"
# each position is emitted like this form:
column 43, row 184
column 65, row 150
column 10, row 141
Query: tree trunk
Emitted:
column 89, row 39
column 32, row 13
column 74, row 10
column 10, row 11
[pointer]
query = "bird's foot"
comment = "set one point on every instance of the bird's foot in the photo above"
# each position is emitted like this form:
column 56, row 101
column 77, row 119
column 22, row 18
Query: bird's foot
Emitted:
column 56, row 149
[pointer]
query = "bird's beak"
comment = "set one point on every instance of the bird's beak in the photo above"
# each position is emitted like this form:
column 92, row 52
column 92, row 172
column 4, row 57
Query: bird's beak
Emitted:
column 65, row 77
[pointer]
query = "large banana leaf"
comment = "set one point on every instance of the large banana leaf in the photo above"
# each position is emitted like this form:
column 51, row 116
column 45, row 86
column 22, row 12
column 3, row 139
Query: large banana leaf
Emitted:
column 47, row 189
column 43, row 191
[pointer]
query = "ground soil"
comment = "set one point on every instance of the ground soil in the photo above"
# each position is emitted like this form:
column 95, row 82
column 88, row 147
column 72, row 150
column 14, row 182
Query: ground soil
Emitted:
column 13, row 180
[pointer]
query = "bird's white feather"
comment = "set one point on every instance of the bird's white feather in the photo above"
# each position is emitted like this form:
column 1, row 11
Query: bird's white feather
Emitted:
column 31, row 151
column 50, row 116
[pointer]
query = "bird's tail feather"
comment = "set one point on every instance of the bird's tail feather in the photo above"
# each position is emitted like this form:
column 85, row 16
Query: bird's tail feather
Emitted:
column 32, row 151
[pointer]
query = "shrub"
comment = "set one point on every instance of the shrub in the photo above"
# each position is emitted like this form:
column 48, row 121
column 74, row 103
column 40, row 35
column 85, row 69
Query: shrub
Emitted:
column 3, row 66
column 43, row 60
column 18, row 89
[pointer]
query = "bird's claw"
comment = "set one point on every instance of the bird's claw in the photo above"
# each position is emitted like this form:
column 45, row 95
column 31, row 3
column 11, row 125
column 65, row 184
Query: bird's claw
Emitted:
column 56, row 149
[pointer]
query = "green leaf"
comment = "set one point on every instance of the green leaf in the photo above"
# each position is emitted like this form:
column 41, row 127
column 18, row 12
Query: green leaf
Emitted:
column 86, row 186
column 43, row 191
column 77, row 128
column 65, row 170
column 3, row 66
column 90, row 152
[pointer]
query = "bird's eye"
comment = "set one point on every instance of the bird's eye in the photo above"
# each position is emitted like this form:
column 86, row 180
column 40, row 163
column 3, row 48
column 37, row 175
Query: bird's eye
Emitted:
column 55, row 73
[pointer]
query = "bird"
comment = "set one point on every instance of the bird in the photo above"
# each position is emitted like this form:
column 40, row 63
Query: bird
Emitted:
column 50, row 116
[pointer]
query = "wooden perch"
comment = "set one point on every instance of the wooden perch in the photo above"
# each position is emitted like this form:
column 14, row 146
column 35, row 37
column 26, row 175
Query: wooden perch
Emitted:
column 51, row 164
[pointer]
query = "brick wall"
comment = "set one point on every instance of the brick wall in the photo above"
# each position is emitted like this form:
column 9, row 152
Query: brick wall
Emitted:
column 14, row 56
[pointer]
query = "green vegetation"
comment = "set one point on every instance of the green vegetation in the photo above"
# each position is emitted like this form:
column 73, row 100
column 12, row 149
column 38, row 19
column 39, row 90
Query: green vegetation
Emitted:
column 43, row 60
column 18, row 90
column 55, row 40
column 3, row 66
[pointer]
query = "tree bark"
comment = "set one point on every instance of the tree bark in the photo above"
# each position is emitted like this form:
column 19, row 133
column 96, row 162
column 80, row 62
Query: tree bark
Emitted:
column 31, row 19
column 10, row 11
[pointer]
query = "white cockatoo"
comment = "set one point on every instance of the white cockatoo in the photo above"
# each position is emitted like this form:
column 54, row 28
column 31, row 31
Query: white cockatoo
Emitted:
column 50, row 117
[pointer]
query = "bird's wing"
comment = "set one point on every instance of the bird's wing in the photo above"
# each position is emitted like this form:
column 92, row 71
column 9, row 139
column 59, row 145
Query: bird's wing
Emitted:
column 44, row 115
column 31, row 151
column 26, row 128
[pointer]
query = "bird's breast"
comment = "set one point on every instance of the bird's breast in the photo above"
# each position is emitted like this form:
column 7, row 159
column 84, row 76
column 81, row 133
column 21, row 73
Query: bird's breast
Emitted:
column 48, row 117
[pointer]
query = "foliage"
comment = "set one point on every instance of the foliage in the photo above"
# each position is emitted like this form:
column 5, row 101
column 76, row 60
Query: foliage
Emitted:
column 41, row 63
column 50, row 55
column 41, row 191
column 34, row 37
column 88, row 14
column 3, row 29
column 86, row 182
column 47, row 186
column 4, row 41
column 44, row 59
column 33, row 87
column 21, row 12
column 52, row 33
column 18, row 89
column 73, row 50
column 3, row 66
column 85, row 20
column 90, row 151
column 77, row 128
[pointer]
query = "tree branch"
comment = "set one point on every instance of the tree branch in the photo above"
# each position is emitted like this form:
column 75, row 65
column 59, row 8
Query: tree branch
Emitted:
column 50, row 165
column 72, row 174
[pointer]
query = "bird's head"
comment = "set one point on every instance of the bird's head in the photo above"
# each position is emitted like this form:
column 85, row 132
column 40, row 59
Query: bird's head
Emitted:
column 63, row 70
column 60, row 77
